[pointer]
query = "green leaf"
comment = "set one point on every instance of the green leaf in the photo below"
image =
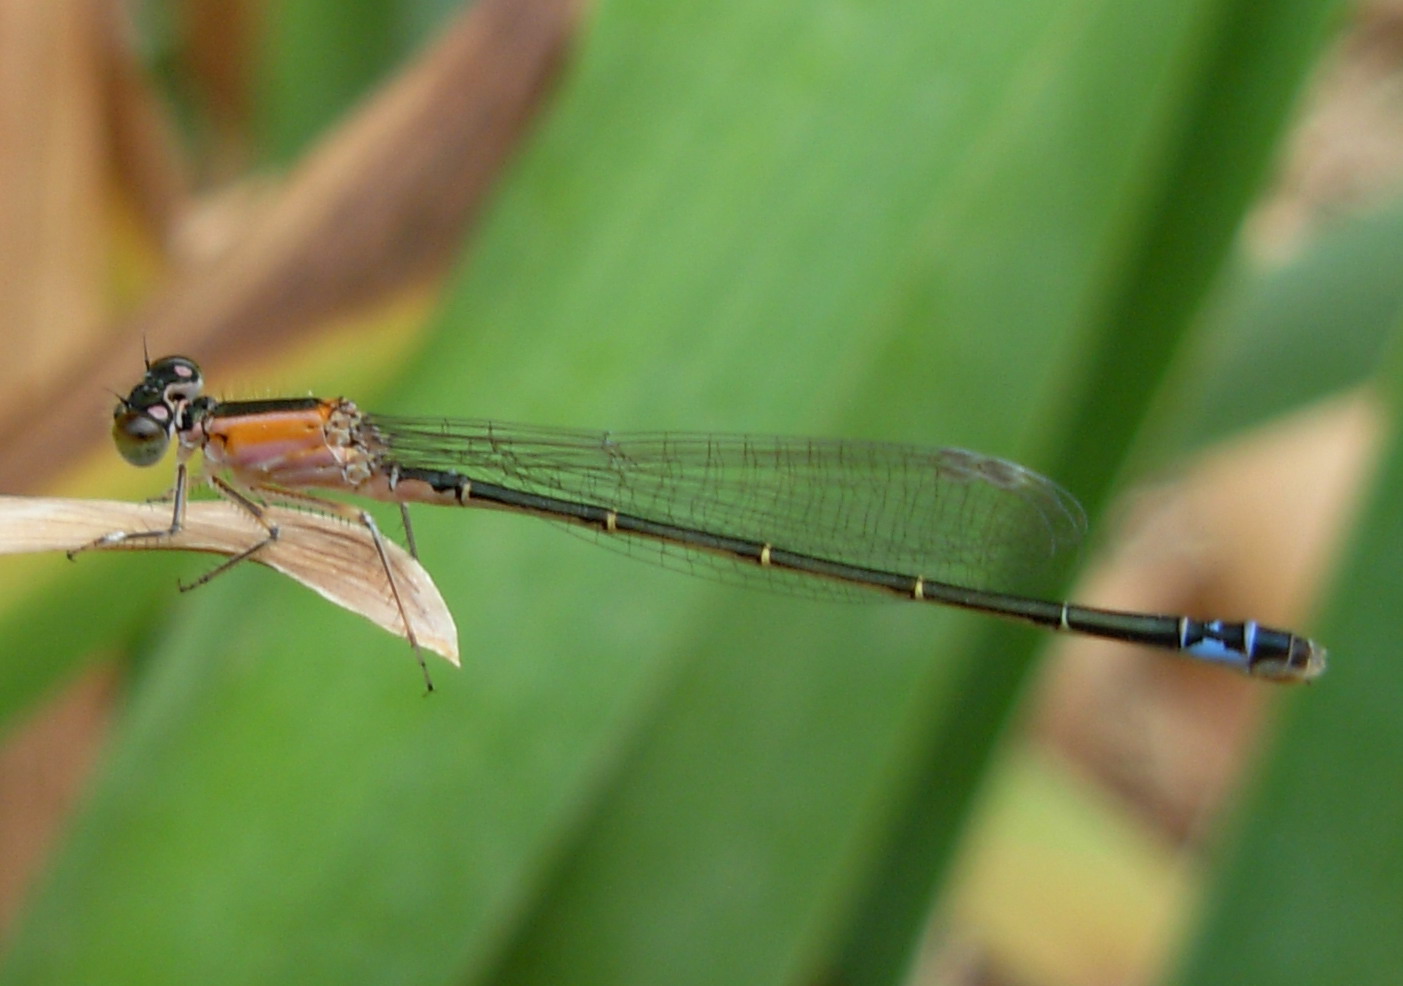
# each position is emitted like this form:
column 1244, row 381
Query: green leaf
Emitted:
column 1308, row 891
column 320, row 57
column 913, row 221
column 1299, row 332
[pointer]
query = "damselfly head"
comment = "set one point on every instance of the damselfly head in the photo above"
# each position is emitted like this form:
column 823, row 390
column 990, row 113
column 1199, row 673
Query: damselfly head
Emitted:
column 145, row 420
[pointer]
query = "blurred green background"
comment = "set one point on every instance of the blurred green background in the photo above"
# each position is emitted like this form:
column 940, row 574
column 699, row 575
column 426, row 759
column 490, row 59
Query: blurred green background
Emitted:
column 1009, row 227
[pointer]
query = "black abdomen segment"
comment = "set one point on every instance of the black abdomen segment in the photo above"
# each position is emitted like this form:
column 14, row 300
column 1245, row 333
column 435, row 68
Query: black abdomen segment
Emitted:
column 1247, row 646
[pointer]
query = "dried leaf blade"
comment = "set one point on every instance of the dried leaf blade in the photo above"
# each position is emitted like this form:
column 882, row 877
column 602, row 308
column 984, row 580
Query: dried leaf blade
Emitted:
column 336, row 559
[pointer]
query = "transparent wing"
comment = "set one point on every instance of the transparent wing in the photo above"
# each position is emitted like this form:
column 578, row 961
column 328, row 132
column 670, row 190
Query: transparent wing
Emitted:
column 943, row 513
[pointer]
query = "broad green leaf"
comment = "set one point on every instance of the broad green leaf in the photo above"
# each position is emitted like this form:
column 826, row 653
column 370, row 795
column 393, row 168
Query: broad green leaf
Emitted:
column 320, row 57
column 1309, row 889
column 914, row 221
column 1301, row 331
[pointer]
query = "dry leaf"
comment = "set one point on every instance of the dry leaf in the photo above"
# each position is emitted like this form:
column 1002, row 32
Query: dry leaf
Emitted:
column 332, row 557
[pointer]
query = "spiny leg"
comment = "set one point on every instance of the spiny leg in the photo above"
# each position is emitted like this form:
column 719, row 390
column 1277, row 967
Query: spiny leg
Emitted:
column 177, row 523
column 370, row 525
column 253, row 510
column 408, row 531
column 364, row 519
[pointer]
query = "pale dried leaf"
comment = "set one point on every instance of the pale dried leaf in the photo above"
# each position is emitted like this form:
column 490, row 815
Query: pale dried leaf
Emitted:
column 334, row 558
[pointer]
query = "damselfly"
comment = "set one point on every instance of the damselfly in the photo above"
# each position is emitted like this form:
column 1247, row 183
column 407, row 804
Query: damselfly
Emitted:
column 939, row 525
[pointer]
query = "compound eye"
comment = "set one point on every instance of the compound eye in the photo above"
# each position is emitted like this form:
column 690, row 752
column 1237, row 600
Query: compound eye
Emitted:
column 139, row 437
